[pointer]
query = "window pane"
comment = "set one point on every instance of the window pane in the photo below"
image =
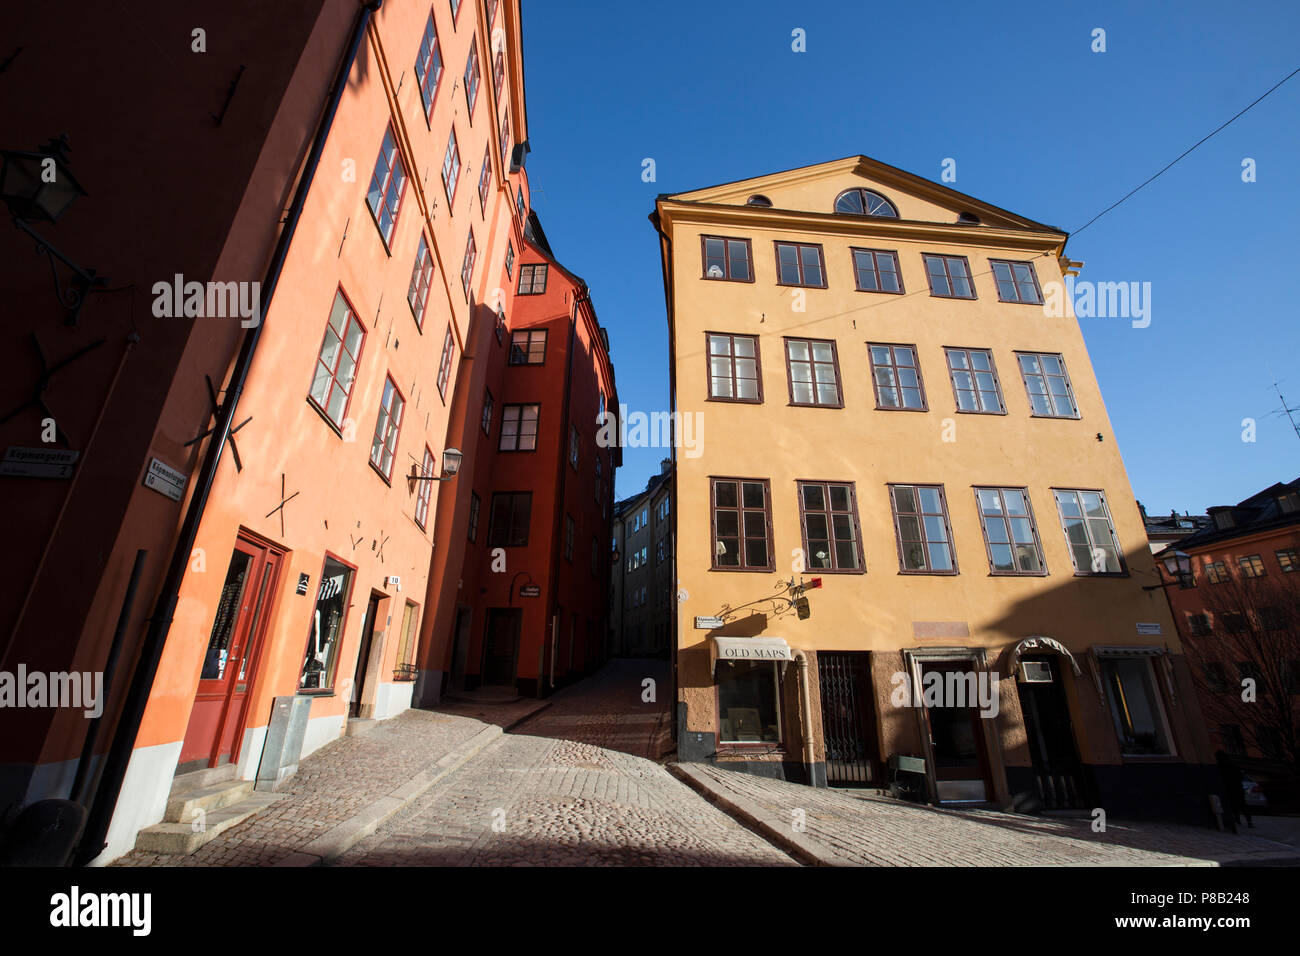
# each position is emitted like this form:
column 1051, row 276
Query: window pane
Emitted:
column 725, row 494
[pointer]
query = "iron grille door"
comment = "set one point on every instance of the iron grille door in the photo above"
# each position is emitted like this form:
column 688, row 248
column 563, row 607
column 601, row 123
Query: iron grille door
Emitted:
column 848, row 718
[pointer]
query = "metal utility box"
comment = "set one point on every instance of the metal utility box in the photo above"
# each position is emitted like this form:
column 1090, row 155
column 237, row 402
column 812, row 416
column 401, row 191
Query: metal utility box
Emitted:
column 284, row 737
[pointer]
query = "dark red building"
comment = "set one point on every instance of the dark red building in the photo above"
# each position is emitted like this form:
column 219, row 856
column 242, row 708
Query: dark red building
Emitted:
column 519, row 581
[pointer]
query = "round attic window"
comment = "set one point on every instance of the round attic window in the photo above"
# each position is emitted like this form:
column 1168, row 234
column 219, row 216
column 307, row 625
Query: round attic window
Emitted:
column 758, row 200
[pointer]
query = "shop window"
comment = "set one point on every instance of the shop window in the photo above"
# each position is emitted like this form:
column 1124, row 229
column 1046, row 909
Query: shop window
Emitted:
column 748, row 702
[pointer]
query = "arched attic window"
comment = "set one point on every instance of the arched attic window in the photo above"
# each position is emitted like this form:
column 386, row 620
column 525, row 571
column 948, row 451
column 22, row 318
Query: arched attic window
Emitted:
column 864, row 202
column 758, row 200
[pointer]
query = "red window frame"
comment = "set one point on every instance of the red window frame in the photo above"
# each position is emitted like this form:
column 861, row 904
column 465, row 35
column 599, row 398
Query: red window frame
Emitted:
column 430, row 53
column 425, row 491
column 467, row 267
column 451, row 169
column 472, row 76
column 385, row 173
column 444, row 366
column 350, row 316
column 485, row 178
column 388, row 428
column 417, row 296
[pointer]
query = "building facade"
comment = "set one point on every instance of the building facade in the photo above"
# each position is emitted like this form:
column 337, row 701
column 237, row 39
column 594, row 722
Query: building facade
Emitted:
column 521, row 547
column 264, row 383
column 1238, row 614
column 909, row 551
column 644, row 574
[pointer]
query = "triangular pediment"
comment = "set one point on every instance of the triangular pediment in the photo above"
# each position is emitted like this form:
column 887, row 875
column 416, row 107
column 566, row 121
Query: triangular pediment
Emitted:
column 814, row 189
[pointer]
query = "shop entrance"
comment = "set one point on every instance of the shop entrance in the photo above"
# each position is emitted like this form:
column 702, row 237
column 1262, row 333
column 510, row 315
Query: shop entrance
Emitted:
column 959, row 753
column 501, row 647
column 1050, row 734
column 368, row 627
column 215, row 731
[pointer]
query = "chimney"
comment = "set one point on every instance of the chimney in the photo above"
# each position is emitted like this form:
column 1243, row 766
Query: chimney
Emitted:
column 665, row 466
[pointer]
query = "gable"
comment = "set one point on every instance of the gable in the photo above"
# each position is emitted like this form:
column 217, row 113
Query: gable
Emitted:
column 814, row 189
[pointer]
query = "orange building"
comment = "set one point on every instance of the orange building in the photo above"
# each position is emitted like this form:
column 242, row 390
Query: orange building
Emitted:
column 521, row 547
column 1236, row 603
column 353, row 171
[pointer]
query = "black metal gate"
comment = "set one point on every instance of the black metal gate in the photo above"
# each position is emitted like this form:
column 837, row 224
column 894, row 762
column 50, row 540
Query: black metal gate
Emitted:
column 848, row 719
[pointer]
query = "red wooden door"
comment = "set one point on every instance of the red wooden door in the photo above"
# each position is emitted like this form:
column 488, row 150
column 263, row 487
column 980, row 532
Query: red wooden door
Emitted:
column 239, row 626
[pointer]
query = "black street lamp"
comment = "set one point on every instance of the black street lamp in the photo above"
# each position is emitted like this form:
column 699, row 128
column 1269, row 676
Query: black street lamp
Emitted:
column 451, row 459
column 1178, row 565
column 38, row 186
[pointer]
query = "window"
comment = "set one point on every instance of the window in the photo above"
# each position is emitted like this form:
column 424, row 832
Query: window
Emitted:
column 949, row 276
column 473, row 516
column 1089, row 533
column 1272, row 618
column 1233, row 742
column 492, row 11
column 1135, row 705
column 498, row 71
column 519, row 427
column 800, row 264
column 528, row 347
column 485, row 178
column 573, row 446
column 326, row 632
column 519, row 203
column 1252, row 566
column 731, row 259
column 444, row 366
column 471, row 76
column 742, row 524
column 510, row 258
column 532, row 279
column 828, row 514
column 876, row 270
column 428, row 66
column 425, row 490
column 813, row 370
column 923, row 530
column 421, row 278
column 1234, row 622
column 1048, row 385
column 336, row 365
column 568, row 538
column 467, row 267
column 387, row 183
column 864, row 202
column 1289, row 502
column 405, row 670
column 1216, row 572
column 975, row 383
column 501, row 325
column 505, row 140
column 1288, row 559
column 1009, row 531
column 388, row 423
column 1200, row 627
column 451, row 169
column 896, row 377
column 455, row 10
column 486, row 421
column 508, row 523
column 1016, row 282
column 748, row 702
column 734, row 368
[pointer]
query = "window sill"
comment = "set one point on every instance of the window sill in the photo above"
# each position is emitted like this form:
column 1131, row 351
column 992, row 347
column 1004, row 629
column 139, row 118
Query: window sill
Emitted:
column 727, row 279
column 748, row 746
column 972, row 411
column 940, row 295
column 747, row 570
column 820, row 571
column 1101, row 574
column 1019, row 574
column 312, row 692
column 812, row 405
column 1020, row 302
column 895, row 408
column 881, row 291
column 800, row 285
column 386, row 479
column 736, row 401
column 325, row 417
column 933, row 574
column 1068, row 418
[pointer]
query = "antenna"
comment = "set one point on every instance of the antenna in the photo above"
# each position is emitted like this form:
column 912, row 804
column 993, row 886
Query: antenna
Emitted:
column 1287, row 410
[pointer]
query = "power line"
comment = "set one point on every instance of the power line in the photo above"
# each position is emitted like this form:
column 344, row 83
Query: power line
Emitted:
column 1185, row 153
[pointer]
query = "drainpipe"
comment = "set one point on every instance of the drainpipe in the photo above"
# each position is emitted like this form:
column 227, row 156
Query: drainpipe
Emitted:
column 104, row 800
column 801, row 661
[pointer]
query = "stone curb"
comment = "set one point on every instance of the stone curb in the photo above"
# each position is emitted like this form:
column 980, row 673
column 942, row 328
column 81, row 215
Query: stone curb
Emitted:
column 342, row 837
column 756, row 818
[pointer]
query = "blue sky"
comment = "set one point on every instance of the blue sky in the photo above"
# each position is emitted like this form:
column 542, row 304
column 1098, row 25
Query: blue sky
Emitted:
column 1038, row 124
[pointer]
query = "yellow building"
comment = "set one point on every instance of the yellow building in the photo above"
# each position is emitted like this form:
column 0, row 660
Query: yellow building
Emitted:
column 881, row 403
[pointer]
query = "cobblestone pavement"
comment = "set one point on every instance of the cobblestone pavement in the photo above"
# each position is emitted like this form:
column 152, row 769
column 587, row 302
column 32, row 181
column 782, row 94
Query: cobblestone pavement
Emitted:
column 865, row 830
column 330, row 786
column 574, row 785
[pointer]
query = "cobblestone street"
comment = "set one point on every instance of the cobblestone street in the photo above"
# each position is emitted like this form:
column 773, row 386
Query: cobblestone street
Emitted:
column 573, row 785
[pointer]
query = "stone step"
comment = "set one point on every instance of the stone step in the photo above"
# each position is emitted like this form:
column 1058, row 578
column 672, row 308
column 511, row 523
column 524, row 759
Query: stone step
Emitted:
column 181, row 806
column 201, row 778
column 182, row 839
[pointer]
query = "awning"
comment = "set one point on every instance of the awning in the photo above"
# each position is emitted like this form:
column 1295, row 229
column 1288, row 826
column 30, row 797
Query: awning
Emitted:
column 748, row 649
column 1037, row 644
column 1116, row 651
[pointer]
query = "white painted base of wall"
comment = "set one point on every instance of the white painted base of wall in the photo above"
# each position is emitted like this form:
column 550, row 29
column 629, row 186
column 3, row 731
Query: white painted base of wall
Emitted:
column 250, row 754
column 392, row 699
column 143, row 799
column 321, row 731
